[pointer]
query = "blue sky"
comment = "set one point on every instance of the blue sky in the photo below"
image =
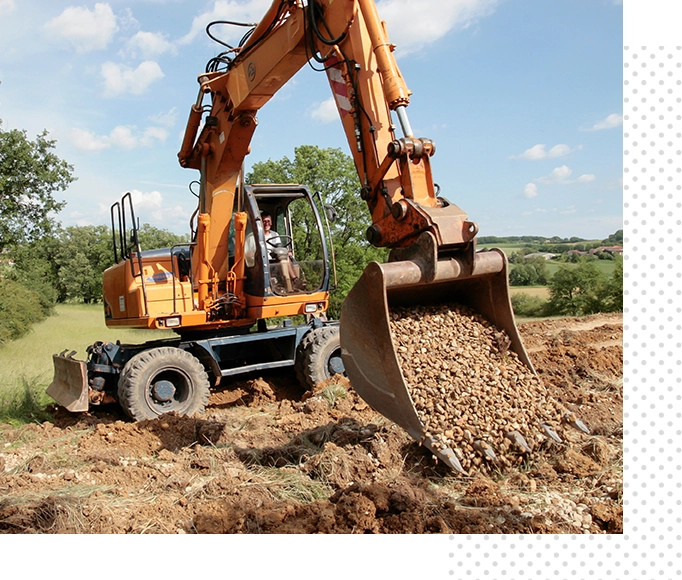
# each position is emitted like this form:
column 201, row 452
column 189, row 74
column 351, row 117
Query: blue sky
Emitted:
column 522, row 97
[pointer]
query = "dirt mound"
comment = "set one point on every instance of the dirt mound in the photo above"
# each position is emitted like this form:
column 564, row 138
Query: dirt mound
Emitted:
column 267, row 457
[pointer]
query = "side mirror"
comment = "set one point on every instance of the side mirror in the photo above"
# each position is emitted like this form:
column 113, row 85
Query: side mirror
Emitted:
column 332, row 214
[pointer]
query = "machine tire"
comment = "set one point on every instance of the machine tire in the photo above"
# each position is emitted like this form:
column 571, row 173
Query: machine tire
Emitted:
column 163, row 380
column 319, row 356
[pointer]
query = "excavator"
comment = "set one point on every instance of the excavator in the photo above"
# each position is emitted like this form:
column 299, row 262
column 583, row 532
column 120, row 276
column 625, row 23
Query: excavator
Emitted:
column 230, row 295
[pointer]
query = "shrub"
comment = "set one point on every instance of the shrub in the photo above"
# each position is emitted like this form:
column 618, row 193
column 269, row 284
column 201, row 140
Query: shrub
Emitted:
column 526, row 305
column 19, row 308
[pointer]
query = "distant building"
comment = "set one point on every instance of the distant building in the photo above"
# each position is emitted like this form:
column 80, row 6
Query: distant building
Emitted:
column 613, row 250
column 545, row 255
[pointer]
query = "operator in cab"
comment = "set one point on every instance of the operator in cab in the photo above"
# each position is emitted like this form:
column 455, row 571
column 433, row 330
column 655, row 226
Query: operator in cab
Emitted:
column 272, row 240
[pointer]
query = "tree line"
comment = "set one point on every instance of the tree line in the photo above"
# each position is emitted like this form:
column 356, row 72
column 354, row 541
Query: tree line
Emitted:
column 576, row 291
column 43, row 263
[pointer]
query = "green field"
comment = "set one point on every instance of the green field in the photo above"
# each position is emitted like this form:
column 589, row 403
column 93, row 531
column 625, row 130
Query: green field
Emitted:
column 540, row 291
column 606, row 266
column 26, row 364
column 508, row 249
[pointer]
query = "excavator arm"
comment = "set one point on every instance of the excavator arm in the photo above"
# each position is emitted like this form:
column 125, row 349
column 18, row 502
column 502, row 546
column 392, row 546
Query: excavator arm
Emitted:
column 348, row 41
column 433, row 259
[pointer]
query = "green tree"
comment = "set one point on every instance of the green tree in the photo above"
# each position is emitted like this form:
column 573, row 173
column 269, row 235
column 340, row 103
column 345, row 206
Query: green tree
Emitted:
column 30, row 175
column 529, row 272
column 84, row 253
column 37, row 268
column 523, row 275
column 333, row 174
column 615, row 239
column 152, row 238
column 68, row 265
column 579, row 290
column 613, row 292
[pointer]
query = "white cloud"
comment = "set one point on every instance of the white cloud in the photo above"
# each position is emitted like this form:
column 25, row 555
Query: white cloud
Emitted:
column 127, row 21
column 539, row 151
column 7, row 6
column 120, row 79
column 152, row 134
column 326, row 111
column 611, row 122
column 249, row 11
column 87, row 141
column 148, row 45
column 167, row 119
column 560, row 175
column 85, row 29
column 586, row 178
column 531, row 190
column 121, row 137
column 414, row 24
column 147, row 200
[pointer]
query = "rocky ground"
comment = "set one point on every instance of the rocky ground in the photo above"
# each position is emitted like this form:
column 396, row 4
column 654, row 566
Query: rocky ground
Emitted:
column 269, row 458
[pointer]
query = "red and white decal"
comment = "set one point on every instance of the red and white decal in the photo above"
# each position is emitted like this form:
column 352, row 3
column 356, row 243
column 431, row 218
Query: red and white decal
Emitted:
column 339, row 87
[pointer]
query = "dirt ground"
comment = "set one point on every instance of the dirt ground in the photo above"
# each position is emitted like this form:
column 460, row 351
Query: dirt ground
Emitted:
column 267, row 457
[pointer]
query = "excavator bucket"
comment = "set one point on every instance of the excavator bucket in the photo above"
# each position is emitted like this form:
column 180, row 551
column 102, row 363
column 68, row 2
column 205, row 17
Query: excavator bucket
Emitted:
column 368, row 350
column 70, row 384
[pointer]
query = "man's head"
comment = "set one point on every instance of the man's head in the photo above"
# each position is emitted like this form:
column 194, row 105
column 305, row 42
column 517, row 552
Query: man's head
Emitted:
column 266, row 218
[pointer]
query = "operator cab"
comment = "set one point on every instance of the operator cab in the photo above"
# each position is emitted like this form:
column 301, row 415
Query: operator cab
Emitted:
column 285, row 249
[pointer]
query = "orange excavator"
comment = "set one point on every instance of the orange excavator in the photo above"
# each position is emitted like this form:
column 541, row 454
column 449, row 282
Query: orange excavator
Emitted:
column 221, row 292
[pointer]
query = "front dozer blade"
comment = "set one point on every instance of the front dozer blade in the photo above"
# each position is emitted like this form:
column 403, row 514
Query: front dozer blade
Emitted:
column 367, row 348
column 70, row 384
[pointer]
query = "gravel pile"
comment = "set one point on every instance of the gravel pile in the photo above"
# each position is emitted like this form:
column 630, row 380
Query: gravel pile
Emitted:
column 470, row 391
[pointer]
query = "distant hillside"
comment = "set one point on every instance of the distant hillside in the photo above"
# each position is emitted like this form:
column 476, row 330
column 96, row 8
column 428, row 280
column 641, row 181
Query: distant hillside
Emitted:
column 614, row 239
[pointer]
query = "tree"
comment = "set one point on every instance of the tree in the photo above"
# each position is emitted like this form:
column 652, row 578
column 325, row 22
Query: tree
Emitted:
column 333, row 174
column 615, row 239
column 529, row 272
column 83, row 255
column 68, row 264
column 613, row 292
column 152, row 238
column 579, row 290
column 30, row 175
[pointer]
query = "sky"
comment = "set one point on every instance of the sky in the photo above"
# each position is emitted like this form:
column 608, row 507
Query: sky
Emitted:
column 523, row 99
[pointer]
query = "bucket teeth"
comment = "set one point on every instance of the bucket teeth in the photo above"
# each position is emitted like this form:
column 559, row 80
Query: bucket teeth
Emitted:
column 572, row 420
column 516, row 437
column 444, row 453
column 451, row 460
column 486, row 450
column 551, row 432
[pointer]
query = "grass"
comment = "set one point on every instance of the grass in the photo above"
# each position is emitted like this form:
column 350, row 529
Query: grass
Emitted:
column 540, row 291
column 288, row 485
column 606, row 266
column 26, row 363
column 333, row 393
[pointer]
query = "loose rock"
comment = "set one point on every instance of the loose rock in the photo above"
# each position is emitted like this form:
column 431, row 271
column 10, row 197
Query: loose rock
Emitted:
column 466, row 385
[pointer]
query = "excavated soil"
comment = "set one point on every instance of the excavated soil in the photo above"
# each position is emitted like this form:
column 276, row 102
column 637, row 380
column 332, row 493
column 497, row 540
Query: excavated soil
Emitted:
column 267, row 457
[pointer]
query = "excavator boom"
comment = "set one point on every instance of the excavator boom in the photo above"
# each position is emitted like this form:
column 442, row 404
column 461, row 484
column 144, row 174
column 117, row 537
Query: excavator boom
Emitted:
column 213, row 290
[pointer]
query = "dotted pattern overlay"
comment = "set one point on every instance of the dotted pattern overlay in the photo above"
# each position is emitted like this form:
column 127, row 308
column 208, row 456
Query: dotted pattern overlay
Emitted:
column 651, row 546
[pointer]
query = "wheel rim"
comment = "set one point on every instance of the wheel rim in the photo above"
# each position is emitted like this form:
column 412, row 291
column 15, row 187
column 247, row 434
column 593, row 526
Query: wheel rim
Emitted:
column 335, row 364
column 168, row 390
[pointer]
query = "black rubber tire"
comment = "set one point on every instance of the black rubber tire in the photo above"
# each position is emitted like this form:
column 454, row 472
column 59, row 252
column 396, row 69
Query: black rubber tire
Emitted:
column 157, row 368
column 319, row 356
